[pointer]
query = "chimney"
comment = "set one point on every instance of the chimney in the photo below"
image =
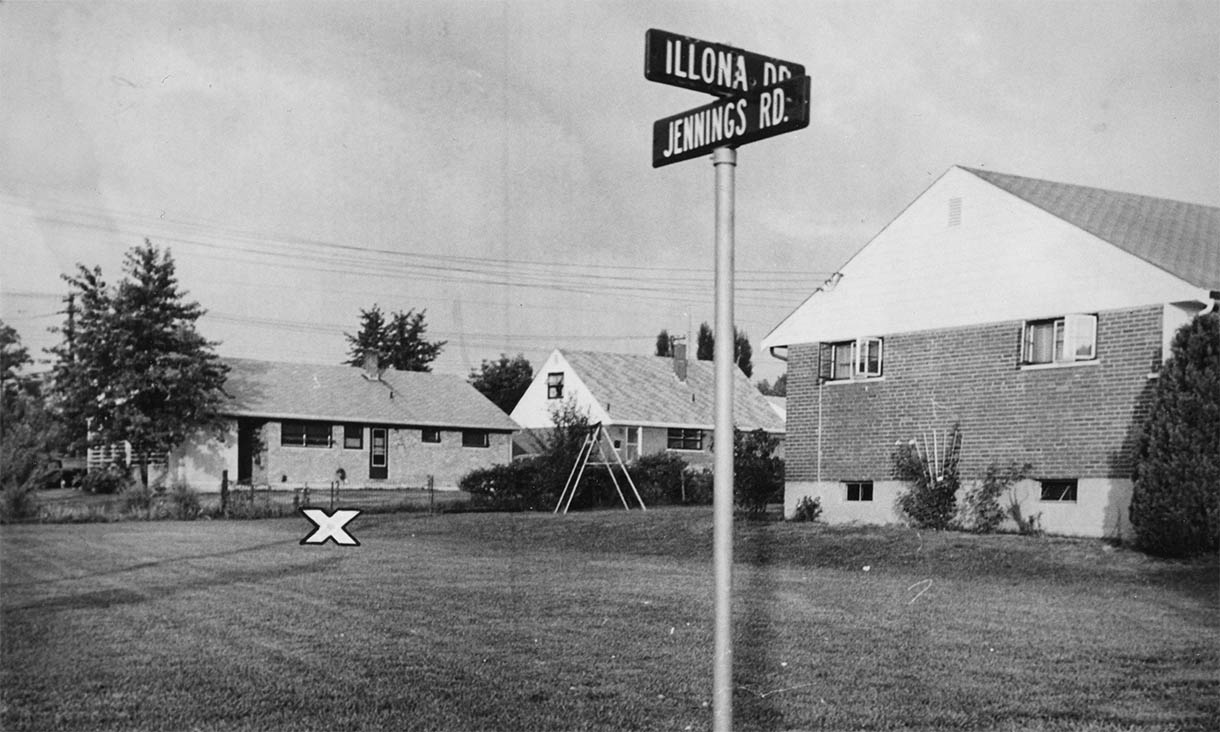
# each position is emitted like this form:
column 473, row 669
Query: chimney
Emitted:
column 372, row 368
column 679, row 351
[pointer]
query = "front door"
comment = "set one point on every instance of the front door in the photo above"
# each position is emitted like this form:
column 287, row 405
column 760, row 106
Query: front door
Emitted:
column 379, row 454
column 631, row 445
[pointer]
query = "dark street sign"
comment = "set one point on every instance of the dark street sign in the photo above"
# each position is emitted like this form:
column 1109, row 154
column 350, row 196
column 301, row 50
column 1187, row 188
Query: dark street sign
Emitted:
column 713, row 68
column 731, row 122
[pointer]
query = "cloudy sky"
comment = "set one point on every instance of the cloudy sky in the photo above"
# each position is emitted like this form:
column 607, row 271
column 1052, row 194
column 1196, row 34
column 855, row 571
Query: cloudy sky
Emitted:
column 490, row 162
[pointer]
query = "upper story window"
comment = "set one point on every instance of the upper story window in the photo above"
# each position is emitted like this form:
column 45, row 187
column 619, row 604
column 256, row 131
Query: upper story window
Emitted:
column 305, row 434
column 353, row 437
column 554, row 385
column 1060, row 340
column 684, row 439
column 845, row 360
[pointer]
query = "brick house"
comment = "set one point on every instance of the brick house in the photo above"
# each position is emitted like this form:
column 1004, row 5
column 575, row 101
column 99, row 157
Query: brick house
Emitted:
column 1034, row 314
column 648, row 404
column 296, row 424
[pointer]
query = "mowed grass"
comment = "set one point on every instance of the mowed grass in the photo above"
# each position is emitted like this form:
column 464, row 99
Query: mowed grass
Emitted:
column 598, row 620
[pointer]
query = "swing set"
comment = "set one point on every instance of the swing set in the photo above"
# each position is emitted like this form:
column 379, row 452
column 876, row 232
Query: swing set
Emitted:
column 598, row 437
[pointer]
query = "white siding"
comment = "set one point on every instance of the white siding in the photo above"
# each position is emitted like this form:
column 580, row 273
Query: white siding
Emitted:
column 1006, row 260
column 533, row 411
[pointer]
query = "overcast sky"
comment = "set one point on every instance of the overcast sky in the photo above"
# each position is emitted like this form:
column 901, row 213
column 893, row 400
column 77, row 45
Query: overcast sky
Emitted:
column 490, row 162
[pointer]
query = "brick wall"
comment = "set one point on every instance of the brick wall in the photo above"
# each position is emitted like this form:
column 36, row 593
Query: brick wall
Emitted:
column 1076, row 421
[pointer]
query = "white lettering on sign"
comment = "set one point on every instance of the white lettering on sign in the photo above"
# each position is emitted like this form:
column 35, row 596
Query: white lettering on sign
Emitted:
column 720, row 124
column 721, row 68
column 773, row 74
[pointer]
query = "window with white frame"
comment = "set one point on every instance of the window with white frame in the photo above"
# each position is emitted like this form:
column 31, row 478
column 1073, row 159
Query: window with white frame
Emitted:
column 554, row 385
column 846, row 360
column 684, row 439
column 1068, row 339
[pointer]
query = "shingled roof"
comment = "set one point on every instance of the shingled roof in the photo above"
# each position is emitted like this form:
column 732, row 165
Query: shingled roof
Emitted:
column 1180, row 238
column 273, row 389
column 638, row 389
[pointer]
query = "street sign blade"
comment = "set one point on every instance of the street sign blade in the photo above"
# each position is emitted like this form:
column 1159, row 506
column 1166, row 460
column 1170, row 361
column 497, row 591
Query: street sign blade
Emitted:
column 731, row 122
column 713, row 68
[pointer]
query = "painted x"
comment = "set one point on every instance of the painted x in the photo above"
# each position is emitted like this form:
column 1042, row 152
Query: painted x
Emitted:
column 330, row 527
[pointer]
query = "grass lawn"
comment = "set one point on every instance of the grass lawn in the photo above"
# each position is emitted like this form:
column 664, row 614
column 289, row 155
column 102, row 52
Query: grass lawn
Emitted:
column 597, row 620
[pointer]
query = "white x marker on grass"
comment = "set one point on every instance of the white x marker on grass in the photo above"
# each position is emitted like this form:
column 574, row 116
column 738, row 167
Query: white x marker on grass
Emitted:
column 330, row 527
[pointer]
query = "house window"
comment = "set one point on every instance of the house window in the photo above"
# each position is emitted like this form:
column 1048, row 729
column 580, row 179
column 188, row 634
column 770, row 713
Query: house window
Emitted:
column 430, row 434
column 353, row 437
column 1059, row 491
column 554, row 385
column 860, row 490
column 305, row 434
column 684, row 439
column 475, row 438
column 1060, row 340
column 858, row 359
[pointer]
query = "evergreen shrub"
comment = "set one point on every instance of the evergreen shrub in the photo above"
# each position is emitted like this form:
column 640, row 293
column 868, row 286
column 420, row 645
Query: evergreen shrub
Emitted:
column 1175, row 502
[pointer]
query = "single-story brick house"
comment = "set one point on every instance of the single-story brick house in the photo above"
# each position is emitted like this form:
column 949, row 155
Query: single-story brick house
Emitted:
column 292, row 424
column 1034, row 314
column 648, row 404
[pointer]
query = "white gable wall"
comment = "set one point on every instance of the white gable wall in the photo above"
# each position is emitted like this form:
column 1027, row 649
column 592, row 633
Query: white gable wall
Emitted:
column 1006, row 260
column 533, row 411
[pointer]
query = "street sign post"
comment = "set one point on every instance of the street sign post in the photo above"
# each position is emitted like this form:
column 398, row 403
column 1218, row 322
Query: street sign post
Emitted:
column 731, row 122
column 708, row 67
column 760, row 97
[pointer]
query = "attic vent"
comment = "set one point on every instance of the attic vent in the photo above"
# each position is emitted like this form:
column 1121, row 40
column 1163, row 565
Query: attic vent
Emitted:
column 955, row 212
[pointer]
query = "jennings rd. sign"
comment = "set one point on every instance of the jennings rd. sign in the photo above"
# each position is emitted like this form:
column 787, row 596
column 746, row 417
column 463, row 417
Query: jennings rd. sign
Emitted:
column 731, row 122
column 713, row 68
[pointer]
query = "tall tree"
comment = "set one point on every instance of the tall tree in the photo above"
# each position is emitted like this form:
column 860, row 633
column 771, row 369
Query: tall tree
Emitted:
column 28, row 432
column 1175, row 501
column 742, row 351
column 705, row 343
column 135, row 368
column 503, row 381
column 664, row 344
column 398, row 343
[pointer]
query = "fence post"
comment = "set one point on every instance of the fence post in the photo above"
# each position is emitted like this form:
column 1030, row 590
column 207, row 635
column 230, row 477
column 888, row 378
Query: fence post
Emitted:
column 224, row 493
column 431, row 493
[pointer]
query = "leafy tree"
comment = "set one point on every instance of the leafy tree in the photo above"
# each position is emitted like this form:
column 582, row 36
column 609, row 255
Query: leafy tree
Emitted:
column 779, row 388
column 399, row 342
column 503, row 381
column 1175, row 502
column 705, row 349
column 664, row 344
column 757, row 474
column 135, row 369
column 28, row 432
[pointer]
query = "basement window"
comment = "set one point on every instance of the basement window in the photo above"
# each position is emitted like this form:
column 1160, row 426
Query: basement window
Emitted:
column 859, row 490
column 1059, row 490
column 305, row 434
column 1068, row 339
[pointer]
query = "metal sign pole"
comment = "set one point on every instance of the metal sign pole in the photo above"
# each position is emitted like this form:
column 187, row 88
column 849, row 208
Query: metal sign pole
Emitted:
column 724, row 160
